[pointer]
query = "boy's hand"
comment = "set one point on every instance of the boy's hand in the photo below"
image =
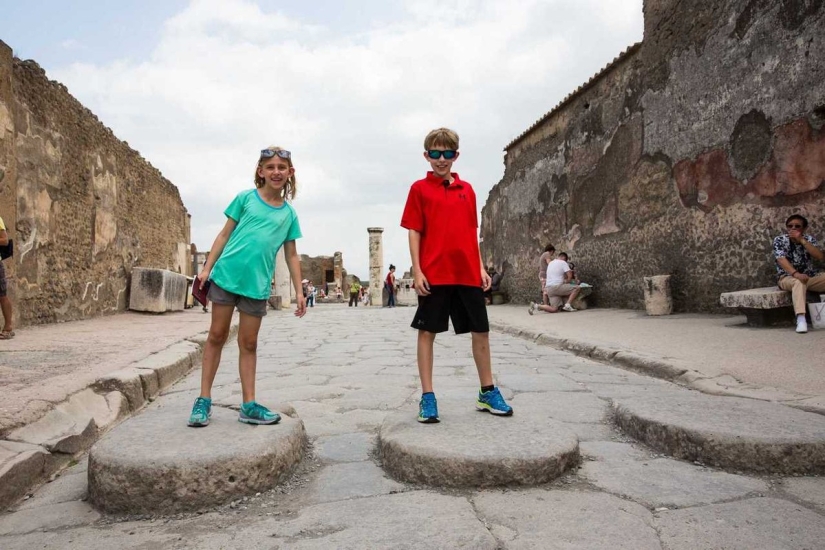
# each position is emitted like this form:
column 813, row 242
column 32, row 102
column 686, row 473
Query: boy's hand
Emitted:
column 486, row 281
column 301, row 306
column 421, row 284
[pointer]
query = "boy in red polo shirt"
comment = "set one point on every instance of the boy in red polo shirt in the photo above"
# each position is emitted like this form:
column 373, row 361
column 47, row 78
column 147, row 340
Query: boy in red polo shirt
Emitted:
column 442, row 220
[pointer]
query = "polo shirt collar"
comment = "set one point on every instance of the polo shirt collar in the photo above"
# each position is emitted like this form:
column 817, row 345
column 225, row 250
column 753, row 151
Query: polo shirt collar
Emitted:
column 432, row 178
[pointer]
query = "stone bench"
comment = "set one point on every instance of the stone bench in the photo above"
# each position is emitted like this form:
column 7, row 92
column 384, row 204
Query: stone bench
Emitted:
column 767, row 306
column 157, row 290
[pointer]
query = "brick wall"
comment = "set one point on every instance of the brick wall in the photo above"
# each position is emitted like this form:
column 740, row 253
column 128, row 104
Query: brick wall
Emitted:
column 684, row 157
column 82, row 206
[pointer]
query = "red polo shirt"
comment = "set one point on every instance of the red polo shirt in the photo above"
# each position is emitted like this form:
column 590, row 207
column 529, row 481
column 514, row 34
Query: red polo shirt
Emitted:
column 447, row 219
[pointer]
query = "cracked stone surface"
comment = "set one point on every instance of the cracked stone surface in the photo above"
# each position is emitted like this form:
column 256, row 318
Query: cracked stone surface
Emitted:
column 359, row 372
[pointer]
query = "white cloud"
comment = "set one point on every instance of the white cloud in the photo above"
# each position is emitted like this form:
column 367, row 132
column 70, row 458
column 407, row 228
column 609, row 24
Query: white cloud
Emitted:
column 230, row 77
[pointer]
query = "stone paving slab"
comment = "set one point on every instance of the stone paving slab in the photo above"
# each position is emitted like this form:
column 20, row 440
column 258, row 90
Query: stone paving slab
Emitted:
column 728, row 432
column 351, row 447
column 352, row 480
column 661, row 482
column 155, row 463
column 475, row 449
column 810, row 490
column 572, row 520
column 763, row 523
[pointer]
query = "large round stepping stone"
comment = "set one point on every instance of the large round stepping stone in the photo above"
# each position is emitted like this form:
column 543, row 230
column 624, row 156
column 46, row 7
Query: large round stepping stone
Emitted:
column 154, row 463
column 475, row 449
column 728, row 432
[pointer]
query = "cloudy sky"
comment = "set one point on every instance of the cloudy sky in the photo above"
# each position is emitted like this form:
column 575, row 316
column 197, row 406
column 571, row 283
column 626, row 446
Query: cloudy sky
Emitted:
column 350, row 87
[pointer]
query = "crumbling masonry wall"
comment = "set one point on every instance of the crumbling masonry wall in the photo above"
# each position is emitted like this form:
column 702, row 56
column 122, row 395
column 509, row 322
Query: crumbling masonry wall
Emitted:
column 684, row 157
column 82, row 207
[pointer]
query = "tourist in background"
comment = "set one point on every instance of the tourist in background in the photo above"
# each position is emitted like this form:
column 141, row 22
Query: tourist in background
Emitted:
column 5, row 302
column 559, row 285
column 354, row 293
column 240, row 267
column 310, row 294
column 794, row 253
column 545, row 258
column 389, row 285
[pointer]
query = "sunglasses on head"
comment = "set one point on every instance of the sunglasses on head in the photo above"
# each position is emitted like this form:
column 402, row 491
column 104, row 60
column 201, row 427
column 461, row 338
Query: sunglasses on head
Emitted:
column 269, row 153
column 435, row 154
column 794, row 226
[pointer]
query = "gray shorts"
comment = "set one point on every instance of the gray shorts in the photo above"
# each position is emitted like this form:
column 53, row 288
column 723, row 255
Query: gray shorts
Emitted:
column 250, row 306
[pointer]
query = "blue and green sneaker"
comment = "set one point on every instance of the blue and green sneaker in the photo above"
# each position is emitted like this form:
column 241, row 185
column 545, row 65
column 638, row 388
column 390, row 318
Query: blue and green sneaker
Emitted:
column 493, row 403
column 201, row 411
column 428, row 409
column 255, row 413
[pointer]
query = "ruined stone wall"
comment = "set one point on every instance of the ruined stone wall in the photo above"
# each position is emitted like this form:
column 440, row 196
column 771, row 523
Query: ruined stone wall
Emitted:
column 315, row 268
column 682, row 157
column 88, row 207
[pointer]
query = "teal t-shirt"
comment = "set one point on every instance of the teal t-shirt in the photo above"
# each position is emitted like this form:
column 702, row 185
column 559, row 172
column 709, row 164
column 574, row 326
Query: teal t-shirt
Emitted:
column 247, row 262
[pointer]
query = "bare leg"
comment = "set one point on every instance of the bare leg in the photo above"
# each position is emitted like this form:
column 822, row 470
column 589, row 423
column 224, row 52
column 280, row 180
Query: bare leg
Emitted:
column 218, row 334
column 425, row 359
column 6, row 308
column 573, row 295
column 248, row 349
column 548, row 309
column 481, row 355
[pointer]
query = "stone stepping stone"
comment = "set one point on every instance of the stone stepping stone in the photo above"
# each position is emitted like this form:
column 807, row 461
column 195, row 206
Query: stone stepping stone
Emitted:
column 469, row 448
column 154, row 463
column 728, row 432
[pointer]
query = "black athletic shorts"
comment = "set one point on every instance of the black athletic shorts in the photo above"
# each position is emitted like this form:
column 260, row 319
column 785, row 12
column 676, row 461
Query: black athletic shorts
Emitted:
column 464, row 305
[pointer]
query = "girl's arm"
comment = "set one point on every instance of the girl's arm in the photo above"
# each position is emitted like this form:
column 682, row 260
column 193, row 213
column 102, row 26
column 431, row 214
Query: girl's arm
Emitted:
column 217, row 249
column 293, row 262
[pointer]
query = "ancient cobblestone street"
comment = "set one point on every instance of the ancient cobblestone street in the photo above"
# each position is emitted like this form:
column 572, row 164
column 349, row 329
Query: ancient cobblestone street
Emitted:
column 344, row 370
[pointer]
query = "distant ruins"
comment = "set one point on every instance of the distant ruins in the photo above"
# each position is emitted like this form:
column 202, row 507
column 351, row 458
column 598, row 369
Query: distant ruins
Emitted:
column 82, row 206
column 683, row 156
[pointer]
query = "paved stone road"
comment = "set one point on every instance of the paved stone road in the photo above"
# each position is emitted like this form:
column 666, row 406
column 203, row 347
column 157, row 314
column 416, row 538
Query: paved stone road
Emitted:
column 344, row 370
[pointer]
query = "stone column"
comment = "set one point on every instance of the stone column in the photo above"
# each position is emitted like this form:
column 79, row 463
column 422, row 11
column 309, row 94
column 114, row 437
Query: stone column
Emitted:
column 376, row 264
column 283, row 284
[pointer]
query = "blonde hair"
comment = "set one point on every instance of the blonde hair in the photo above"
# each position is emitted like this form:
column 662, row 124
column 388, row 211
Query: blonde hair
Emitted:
column 441, row 137
column 291, row 187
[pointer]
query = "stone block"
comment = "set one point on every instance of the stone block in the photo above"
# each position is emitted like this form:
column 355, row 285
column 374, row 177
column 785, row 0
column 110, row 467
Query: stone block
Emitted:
column 658, row 298
column 517, row 450
column 172, row 363
column 154, row 463
column 126, row 381
column 72, row 426
column 767, row 306
column 157, row 290
column 21, row 466
column 769, row 297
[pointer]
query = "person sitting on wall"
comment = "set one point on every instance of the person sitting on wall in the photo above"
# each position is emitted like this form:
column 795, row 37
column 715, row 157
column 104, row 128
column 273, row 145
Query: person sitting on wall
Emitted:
column 559, row 286
column 794, row 253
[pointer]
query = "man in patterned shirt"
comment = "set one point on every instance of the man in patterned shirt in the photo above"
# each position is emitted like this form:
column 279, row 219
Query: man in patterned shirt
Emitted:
column 794, row 252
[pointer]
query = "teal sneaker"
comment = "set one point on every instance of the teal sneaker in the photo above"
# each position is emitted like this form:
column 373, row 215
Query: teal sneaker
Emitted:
column 201, row 411
column 428, row 409
column 255, row 413
column 493, row 403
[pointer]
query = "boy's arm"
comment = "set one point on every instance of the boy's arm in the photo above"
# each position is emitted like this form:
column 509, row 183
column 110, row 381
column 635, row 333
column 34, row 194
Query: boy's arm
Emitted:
column 217, row 249
column 420, row 282
column 4, row 237
column 293, row 263
column 486, row 281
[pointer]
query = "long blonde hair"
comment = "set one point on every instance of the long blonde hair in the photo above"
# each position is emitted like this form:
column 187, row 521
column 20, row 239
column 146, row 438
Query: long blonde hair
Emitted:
column 291, row 187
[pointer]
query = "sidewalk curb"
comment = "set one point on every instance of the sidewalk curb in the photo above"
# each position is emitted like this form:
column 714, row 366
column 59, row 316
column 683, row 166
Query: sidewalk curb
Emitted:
column 32, row 454
column 725, row 385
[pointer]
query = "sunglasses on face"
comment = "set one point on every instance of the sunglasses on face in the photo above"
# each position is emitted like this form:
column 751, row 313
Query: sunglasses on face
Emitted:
column 794, row 226
column 435, row 154
column 269, row 153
